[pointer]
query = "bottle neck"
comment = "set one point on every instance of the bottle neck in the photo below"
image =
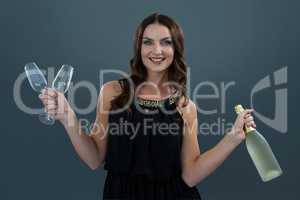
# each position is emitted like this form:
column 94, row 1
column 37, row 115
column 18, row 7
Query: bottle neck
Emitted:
column 239, row 109
column 249, row 129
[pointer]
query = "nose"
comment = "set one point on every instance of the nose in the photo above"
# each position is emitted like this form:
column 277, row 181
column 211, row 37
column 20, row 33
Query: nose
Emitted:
column 157, row 49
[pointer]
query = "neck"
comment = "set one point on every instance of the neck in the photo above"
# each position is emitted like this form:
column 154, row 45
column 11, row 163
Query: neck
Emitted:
column 156, row 78
column 155, row 84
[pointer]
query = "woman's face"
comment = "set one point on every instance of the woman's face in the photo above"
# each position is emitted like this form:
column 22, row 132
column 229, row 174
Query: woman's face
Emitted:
column 157, row 49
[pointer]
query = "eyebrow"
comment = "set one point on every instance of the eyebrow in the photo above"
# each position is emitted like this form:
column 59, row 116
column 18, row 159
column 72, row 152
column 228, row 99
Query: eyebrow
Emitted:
column 165, row 38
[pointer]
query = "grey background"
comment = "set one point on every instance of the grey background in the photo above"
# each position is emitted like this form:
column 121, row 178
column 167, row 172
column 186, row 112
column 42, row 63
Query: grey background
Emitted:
column 241, row 41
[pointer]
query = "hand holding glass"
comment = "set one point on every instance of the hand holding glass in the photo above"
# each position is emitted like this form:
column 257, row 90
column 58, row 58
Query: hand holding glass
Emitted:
column 60, row 83
column 38, row 82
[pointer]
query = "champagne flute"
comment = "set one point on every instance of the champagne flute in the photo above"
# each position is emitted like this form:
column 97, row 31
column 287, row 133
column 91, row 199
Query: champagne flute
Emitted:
column 38, row 82
column 61, row 82
column 63, row 79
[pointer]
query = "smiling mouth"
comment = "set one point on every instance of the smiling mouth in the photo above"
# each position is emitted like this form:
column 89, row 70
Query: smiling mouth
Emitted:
column 157, row 60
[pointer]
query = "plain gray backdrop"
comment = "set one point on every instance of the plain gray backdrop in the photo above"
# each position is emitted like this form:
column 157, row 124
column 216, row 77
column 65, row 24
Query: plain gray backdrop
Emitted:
column 226, row 40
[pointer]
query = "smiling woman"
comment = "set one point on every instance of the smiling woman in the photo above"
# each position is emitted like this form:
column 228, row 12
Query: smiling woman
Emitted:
column 148, row 143
column 144, row 161
column 157, row 52
column 158, row 66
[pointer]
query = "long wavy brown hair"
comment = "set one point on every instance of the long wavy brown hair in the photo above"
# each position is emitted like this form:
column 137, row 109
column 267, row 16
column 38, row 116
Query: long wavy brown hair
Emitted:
column 138, row 73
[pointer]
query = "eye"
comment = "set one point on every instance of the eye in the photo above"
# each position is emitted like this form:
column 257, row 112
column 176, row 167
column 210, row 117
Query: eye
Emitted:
column 147, row 42
column 167, row 43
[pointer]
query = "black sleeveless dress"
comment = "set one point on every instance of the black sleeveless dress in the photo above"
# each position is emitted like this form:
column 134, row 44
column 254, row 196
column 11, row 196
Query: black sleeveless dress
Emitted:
column 143, row 153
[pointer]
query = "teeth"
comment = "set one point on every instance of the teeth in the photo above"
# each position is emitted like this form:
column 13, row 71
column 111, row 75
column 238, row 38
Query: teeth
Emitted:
column 156, row 59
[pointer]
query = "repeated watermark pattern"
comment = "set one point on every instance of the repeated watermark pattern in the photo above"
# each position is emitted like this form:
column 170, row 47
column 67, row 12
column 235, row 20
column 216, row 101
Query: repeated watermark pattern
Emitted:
column 219, row 127
column 279, row 122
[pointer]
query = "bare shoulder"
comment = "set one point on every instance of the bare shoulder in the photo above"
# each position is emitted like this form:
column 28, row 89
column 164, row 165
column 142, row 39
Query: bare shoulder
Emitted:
column 110, row 89
column 108, row 92
column 113, row 87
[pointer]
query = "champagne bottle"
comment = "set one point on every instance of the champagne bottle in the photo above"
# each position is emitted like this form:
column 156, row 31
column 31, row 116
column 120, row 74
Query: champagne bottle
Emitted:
column 260, row 152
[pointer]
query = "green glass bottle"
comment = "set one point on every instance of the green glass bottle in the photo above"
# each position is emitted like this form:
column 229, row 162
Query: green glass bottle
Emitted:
column 260, row 152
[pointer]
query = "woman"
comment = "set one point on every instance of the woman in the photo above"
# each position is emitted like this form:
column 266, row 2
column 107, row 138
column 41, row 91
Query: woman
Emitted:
column 144, row 161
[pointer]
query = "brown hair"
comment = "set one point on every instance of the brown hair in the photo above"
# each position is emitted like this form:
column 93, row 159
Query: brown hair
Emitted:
column 138, row 72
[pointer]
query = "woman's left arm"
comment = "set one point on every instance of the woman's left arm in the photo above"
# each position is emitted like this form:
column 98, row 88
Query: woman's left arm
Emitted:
column 196, row 166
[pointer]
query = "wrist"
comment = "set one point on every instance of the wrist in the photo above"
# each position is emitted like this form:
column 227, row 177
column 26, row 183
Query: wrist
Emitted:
column 232, row 140
column 68, row 118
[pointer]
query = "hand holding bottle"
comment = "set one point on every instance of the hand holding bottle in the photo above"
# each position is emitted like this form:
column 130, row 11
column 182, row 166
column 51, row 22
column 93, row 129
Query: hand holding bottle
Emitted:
column 244, row 119
column 258, row 148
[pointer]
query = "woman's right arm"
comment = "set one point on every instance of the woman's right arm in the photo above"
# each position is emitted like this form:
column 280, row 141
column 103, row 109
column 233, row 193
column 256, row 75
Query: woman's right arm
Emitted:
column 91, row 147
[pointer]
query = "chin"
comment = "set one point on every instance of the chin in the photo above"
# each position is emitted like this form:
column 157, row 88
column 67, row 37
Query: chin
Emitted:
column 157, row 68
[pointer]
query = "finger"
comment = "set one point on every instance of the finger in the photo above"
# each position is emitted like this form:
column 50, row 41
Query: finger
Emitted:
column 249, row 119
column 251, row 124
column 46, row 97
column 50, row 92
column 240, row 121
column 43, row 91
column 49, row 102
column 247, row 115
column 248, row 123
column 51, row 107
column 47, row 110
column 44, row 100
column 60, row 97
column 42, row 96
column 53, row 112
column 247, row 111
